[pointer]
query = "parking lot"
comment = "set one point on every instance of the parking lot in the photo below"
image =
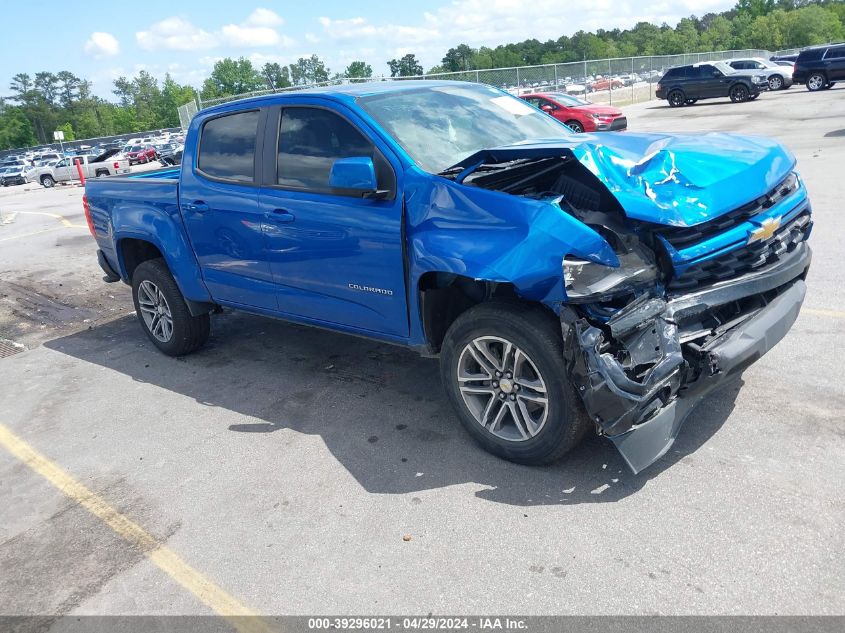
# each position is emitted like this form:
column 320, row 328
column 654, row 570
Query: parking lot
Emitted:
column 296, row 471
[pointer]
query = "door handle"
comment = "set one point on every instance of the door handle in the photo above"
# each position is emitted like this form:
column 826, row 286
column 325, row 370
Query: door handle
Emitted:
column 280, row 216
column 197, row 206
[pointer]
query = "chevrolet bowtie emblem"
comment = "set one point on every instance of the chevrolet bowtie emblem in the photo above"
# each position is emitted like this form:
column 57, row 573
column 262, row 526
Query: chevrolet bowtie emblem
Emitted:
column 765, row 231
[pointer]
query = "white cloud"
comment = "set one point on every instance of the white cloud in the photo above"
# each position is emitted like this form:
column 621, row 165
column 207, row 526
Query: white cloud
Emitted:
column 311, row 38
column 494, row 22
column 101, row 45
column 176, row 33
column 264, row 17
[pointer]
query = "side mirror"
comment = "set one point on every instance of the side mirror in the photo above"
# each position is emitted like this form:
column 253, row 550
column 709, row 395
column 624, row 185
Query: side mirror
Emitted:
column 356, row 173
column 547, row 108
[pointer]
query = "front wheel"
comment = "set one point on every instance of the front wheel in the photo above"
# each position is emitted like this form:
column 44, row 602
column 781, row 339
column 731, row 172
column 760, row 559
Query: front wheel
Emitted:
column 775, row 82
column 47, row 181
column 575, row 126
column 739, row 94
column 503, row 370
column 162, row 311
column 816, row 82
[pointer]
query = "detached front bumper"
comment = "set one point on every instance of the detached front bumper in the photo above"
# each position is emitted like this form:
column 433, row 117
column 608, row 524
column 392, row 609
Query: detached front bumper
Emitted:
column 662, row 356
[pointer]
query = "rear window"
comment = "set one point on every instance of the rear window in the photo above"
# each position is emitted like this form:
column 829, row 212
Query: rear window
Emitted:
column 676, row 73
column 227, row 147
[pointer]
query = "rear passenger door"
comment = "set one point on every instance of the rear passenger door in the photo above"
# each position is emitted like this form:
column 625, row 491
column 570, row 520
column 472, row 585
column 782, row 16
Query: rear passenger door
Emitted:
column 336, row 257
column 218, row 198
column 834, row 63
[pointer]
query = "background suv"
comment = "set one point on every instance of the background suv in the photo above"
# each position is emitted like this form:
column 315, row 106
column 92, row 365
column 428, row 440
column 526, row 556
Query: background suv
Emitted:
column 820, row 67
column 780, row 77
column 684, row 85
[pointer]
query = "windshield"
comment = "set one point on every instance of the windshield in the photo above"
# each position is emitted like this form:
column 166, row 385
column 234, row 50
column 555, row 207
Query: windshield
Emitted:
column 723, row 66
column 568, row 100
column 442, row 125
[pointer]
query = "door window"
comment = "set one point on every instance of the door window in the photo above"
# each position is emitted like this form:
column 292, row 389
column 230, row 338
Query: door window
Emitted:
column 311, row 140
column 836, row 53
column 227, row 147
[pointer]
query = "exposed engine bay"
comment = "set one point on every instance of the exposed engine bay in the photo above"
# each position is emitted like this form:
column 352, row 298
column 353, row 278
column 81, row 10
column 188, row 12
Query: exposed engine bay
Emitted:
column 639, row 353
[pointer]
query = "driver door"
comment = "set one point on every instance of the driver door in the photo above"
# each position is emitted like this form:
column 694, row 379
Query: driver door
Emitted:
column 335, row 256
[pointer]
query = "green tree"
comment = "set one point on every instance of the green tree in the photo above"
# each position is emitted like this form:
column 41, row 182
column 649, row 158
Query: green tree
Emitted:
column 68, row 130
column 276, row 76
column 15, row 128
column 308, row 70
column 232, row 77
column 459, row 58
column 358, row 70
column 407, row 66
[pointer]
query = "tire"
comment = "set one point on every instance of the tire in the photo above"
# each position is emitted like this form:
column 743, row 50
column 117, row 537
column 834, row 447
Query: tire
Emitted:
column 47, row 181
column 101, row 173
column 739, row 93
column 775, row 82
column 556, row 426
column 816, row 82
column 676, row 98
column 575, row 126
column 152, row 283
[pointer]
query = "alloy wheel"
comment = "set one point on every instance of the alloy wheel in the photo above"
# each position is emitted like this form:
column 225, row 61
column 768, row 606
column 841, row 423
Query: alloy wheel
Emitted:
column 775, row 83
column 502, row 388
column 155, row 311
column 815, row 82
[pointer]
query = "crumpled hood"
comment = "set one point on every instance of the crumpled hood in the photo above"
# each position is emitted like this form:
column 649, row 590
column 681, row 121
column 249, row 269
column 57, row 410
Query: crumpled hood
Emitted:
column 674, row 179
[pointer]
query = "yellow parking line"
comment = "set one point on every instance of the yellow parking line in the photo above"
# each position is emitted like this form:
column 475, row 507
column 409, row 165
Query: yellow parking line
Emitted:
column 15, row 237
column 837, row 314
column 60, row 218
column 210, row 594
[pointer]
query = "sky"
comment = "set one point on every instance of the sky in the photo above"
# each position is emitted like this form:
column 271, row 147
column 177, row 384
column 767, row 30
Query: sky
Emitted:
column 102, row 41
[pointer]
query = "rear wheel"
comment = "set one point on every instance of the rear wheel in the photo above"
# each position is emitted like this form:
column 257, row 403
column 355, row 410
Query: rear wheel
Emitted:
column 676, row 98
column 162, row 311
column 739, row 93
column 503, row 370
column 816, row 82
column 47, row 181
column 575, row 126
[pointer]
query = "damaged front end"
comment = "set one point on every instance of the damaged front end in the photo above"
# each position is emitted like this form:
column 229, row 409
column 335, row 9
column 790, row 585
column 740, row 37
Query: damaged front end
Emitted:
column 700, row 288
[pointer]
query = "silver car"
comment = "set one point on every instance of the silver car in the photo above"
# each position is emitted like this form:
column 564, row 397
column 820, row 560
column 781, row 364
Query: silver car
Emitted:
column 780, row 77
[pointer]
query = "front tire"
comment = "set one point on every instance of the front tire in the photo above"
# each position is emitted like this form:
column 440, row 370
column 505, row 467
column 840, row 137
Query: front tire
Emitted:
column 162, row 311
column 739, row 94
column 816, row 82
column 502, row 367
column 575, row 126
column 775, row 82
column 47, row 181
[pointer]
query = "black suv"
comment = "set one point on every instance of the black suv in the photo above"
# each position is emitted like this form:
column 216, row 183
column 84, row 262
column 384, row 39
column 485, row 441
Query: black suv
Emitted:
column 820, row 66
column 684, row 85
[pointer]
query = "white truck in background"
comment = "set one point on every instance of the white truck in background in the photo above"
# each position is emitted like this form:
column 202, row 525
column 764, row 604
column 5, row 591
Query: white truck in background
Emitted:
column 106, row 164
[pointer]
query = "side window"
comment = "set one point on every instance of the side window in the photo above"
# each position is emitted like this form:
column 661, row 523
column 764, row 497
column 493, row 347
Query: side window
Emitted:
column 227, row 147
column 312, row 139
column 706, row 71
column 62, row 163
column 835, row 53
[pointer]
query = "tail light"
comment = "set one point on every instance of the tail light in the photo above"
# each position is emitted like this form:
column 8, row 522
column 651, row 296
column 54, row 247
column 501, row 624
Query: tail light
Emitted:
column 116, row 165
column 88, row 217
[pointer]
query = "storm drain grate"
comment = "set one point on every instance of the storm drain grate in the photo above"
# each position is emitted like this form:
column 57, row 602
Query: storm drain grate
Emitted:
column 8, row 348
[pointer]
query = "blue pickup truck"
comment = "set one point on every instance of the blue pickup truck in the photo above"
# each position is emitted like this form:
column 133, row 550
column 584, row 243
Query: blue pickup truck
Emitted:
column 567, row 282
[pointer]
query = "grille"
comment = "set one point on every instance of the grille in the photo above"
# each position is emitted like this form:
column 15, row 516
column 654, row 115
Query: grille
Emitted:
column 619, row 124
column 746, row 259
column 681, row 237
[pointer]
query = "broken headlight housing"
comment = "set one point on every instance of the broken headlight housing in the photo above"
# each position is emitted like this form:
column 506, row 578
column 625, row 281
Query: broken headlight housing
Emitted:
column 587, row 281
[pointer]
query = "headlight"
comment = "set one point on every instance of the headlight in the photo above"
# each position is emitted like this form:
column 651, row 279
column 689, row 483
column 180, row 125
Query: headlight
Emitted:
column 584, row 280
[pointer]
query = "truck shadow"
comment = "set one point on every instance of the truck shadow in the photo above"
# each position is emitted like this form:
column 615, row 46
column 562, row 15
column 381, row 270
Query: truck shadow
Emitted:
column 379, row 409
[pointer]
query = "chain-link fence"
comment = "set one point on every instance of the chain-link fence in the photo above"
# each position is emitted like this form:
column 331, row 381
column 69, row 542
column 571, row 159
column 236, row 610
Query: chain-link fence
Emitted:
column 186, row 113
column 619, row 81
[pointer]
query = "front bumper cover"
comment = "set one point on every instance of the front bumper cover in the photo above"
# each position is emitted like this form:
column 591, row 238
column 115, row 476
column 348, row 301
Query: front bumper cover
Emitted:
column 670, row 363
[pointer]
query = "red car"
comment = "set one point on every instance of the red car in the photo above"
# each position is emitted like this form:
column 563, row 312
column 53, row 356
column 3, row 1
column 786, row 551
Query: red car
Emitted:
column 579, row 115
column 140, row 154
